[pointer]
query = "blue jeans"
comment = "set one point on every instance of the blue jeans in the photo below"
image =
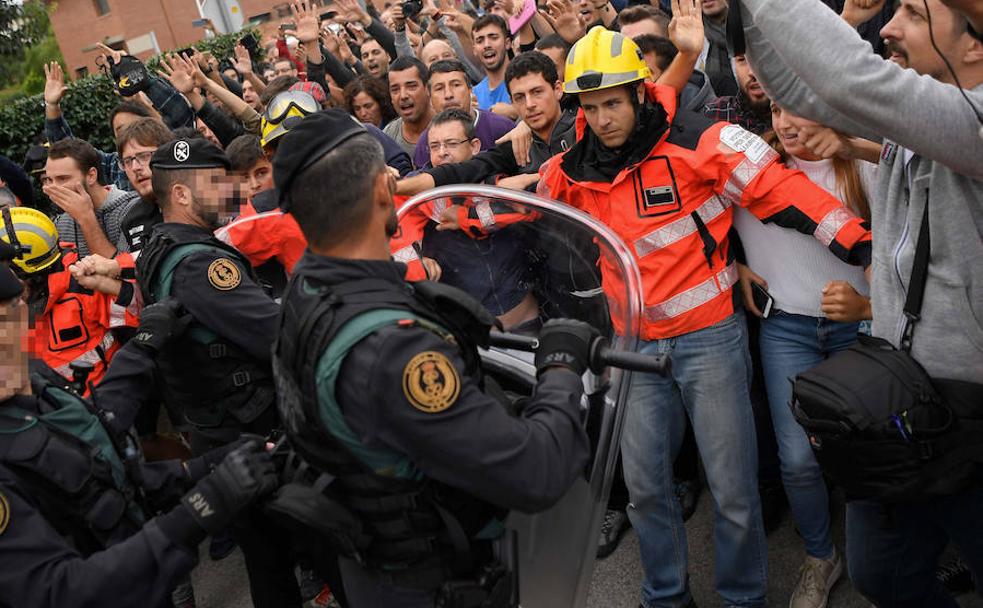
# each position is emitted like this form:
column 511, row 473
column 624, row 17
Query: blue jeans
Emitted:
column 790, row 344
column 709, row 385
column 892, row 550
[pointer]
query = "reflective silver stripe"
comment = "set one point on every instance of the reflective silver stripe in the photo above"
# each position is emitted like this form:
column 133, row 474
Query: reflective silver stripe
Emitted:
column 405, row 255
column 485, row 215
column 666, row 235
column 439, row 206
column 117, row 315
column 744, row 173
column 834, row 221
column 694, row 297
column 91, row 356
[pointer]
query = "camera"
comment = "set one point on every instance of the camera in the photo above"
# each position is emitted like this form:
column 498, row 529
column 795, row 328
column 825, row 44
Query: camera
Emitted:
column 411, row 8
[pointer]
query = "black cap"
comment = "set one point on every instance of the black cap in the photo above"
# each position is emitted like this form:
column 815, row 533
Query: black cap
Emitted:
column 10, row 287
column 194, row 153
column 308, row 142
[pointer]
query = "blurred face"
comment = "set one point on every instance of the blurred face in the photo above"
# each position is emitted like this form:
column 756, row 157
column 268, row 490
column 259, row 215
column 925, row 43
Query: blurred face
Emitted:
column 490, row 45
column 259, row 177
column 909, row 43
column 409, row 96
column 749, row 83
column 559, row 57
column 652, row 60
column 436, row 50
column 714, row 8
column 367, row 109
column 536, row 101
column 215, row 198
column 249, row 96
column 610, row 114
column 787, row 127
column 449, row 143
column 13, row 348
column 450, row 90
column 645, row 26
column 375, row 59
column 121, row 120
column 135, row 159
column 284, row 67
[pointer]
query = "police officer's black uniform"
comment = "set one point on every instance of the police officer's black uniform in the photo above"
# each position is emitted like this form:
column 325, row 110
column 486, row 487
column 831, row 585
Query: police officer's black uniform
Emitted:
column 75, row 503
column 217, row 374
column 381, row 389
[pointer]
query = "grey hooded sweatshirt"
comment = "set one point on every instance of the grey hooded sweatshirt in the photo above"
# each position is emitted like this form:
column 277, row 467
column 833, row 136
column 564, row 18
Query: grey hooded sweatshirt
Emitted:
column 932, row 150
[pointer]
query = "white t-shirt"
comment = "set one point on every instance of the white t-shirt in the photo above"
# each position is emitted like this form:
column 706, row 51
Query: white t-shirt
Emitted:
column 797, row 266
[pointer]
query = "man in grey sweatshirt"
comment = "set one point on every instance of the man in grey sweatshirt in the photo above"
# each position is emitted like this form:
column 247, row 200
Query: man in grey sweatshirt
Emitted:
column 816, row 65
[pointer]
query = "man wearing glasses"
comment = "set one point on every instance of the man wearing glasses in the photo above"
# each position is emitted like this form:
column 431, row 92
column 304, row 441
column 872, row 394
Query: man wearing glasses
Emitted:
column 136, row 143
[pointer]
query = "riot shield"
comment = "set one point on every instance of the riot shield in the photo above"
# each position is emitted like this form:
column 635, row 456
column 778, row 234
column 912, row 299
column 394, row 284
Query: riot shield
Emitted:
column 528, row 259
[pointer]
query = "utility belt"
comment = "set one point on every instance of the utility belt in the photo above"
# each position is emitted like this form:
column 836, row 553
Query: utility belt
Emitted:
column 402, row 551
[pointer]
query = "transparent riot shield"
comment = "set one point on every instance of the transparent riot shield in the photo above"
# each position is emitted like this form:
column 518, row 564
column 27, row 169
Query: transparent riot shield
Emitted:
column 528, row 259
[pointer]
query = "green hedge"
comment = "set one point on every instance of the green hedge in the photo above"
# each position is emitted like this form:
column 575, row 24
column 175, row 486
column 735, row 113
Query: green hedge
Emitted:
column 86, row 105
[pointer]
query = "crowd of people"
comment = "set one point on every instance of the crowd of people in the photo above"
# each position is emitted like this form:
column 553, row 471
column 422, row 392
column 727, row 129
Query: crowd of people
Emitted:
column 231, row 279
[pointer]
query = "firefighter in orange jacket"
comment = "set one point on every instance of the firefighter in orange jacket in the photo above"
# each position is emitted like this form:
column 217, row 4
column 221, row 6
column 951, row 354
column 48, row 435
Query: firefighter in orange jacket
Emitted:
column 667, row 182
column 70, row 324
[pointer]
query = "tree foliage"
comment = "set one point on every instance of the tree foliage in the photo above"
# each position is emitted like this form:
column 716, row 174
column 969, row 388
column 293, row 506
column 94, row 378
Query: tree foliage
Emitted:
column 21, row 27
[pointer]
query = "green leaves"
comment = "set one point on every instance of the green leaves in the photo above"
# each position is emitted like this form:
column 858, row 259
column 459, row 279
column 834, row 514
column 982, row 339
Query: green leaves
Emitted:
column 86, row 105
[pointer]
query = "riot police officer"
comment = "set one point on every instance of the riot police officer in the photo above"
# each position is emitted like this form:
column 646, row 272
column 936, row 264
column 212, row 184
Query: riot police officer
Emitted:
column 381, row 389
column 76, row 506
column 217, row 374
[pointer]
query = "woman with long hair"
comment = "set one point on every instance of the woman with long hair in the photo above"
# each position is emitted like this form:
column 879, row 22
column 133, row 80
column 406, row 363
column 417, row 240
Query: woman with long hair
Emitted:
column 367, row 99
column 818, row 304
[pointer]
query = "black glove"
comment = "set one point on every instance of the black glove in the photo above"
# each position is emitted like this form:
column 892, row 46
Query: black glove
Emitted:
column 159, row 323
column 566, row 343
column 198, row 467
column 245, row 475
column 129, row 75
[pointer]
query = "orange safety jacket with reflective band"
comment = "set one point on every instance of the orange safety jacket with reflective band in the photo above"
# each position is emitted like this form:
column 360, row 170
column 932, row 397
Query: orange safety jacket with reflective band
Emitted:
column 261, row 237
column 674, row 210
column 76, row 322
column 478, row 220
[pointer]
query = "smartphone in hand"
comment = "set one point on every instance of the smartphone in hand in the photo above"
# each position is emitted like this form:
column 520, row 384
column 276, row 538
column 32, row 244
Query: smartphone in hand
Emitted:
column 762, row 300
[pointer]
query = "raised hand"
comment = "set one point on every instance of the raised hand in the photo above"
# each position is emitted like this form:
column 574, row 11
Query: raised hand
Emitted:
column 243, row 62
column 306, row 20
column 686, row 27
column 857, row 12
column 111, row 54
column 178, row 73
column 566, row 20
column 54, row 83
column 352, row 12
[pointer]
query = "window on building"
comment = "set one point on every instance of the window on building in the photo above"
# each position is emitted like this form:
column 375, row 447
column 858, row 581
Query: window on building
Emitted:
column 81, row 72
column 102, row 7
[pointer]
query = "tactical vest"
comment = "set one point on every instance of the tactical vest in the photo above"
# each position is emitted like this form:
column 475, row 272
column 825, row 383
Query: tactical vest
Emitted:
column 407, row 529
column 68, row 461
column 206, row 377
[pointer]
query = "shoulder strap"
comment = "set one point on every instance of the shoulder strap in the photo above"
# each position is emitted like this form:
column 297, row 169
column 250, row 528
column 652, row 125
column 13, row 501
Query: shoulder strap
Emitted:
column 916, row 286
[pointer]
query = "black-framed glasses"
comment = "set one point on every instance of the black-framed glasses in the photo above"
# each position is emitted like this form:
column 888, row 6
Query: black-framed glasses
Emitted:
column 451, row 144
column 141, row 158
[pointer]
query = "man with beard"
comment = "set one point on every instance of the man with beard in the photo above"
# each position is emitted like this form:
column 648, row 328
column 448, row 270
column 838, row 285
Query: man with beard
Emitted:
column 750, row 108
column 491, row 36
column 666, row 182
column 716, row 60
column 217, row 374
column 930, row 171
column 136, row 144
column 411, row 99
column 380, row 387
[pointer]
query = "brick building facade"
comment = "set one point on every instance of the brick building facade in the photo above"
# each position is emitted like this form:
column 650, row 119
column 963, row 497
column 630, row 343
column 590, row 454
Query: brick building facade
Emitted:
column 140, row 26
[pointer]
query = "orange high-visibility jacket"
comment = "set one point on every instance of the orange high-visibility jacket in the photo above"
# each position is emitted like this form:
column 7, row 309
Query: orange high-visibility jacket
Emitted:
column 76, row 322
column 674, row 210
column 261, row 237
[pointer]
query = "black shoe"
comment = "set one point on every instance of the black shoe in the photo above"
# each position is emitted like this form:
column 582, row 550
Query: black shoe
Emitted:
column 614, row 525
column 956, row 577
column 688, row 493
column 222, row 545
column 774, row 503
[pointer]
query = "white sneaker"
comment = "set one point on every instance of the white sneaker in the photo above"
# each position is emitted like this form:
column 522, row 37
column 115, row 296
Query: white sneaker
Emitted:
column 816, row 579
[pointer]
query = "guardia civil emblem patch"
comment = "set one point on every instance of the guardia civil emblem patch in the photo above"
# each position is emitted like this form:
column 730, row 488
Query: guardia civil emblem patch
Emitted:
column 224, row 275
column 430, row 382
